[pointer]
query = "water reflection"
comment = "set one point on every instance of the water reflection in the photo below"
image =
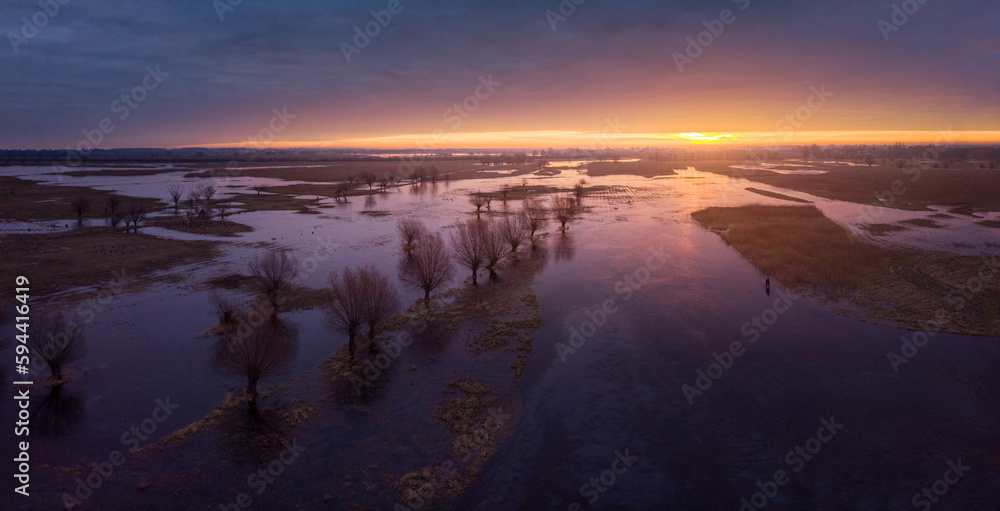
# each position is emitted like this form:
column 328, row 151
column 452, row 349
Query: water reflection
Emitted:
column 565, row 249
column 58, row 414
column 370, row 201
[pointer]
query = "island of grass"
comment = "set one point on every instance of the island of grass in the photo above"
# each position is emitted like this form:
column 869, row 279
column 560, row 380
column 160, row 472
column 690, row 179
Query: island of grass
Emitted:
column 776, row 195
column 809, row 253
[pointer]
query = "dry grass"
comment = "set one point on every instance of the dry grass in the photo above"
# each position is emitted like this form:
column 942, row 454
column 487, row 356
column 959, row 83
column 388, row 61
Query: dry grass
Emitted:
column 776, row 195
column 24, row 200
column 91, row 256
column 208, row 227
column 808, row 252
column 883, row 229
column 968, row 189
column 636, row 168
column 799, row 245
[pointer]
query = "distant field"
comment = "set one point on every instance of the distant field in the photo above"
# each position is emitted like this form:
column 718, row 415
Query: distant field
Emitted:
column 808, row 252
column 976, row 189
column 638, row 168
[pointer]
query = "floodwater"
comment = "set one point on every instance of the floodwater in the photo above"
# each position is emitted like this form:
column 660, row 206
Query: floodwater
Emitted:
column 619, row 395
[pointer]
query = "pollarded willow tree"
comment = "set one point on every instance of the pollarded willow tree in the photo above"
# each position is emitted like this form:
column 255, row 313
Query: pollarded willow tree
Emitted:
column 410, row 230
column 256, row 354
column 534, row 215
column 514, row 230
column 564, row 208
column 272, row 275
column 428, row 266
column 381, row 300
column 494, row 246
column 346, row 308
column 56, row 342
column 468, row 242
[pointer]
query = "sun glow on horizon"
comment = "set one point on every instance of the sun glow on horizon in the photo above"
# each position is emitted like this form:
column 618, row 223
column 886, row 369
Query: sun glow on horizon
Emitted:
column 612, row 140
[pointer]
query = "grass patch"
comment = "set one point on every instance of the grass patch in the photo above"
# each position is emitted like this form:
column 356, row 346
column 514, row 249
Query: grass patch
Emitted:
column 776, row 195
column 808, row 252
column 995, row 224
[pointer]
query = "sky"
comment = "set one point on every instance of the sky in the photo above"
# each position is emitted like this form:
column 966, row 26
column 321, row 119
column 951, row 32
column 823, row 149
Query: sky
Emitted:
column 470, row 73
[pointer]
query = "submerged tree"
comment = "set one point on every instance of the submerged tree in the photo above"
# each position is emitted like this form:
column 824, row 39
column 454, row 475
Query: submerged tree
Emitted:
column 494, row 246
column 479, row 201
column 346, row 309
column 410, row 230
column 81, row 205
column 55, row 342
column 272, row 275
column 225, row 307
column 369, row 178
column 428, row 265
column 514, row 230
column 535, row 216
column 381, row 300
column 260, row 353
column 564, row 208
column 469, row 245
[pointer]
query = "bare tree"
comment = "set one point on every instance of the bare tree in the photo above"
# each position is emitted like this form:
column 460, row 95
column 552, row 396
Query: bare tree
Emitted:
column 369, row 178
column 57, row 343
column 176, row 192
column 410, row 230
column 113, row 210
column 222, row 207
column 259, row 189
column 272, row 274
column 469, row 245
column 579, row 190
column 81, row 206
column 478, row 200
column 504, row 192
column 514, row 230
column 428, row 266
column 225, row 307
column 209, row 191
column 383, row 182
column 381, row 300
column 564, row 208
column 535, row 216
column 260, row 354
column 136, row 214
column 346, row 309
column 434, row 173
column 494, row 246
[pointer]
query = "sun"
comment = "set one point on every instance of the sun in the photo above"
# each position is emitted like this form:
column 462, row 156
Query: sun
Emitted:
column 706, row 138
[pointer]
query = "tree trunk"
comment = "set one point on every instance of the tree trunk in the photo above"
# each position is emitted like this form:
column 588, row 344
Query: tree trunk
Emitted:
column 350, row 347
column 371, row 332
